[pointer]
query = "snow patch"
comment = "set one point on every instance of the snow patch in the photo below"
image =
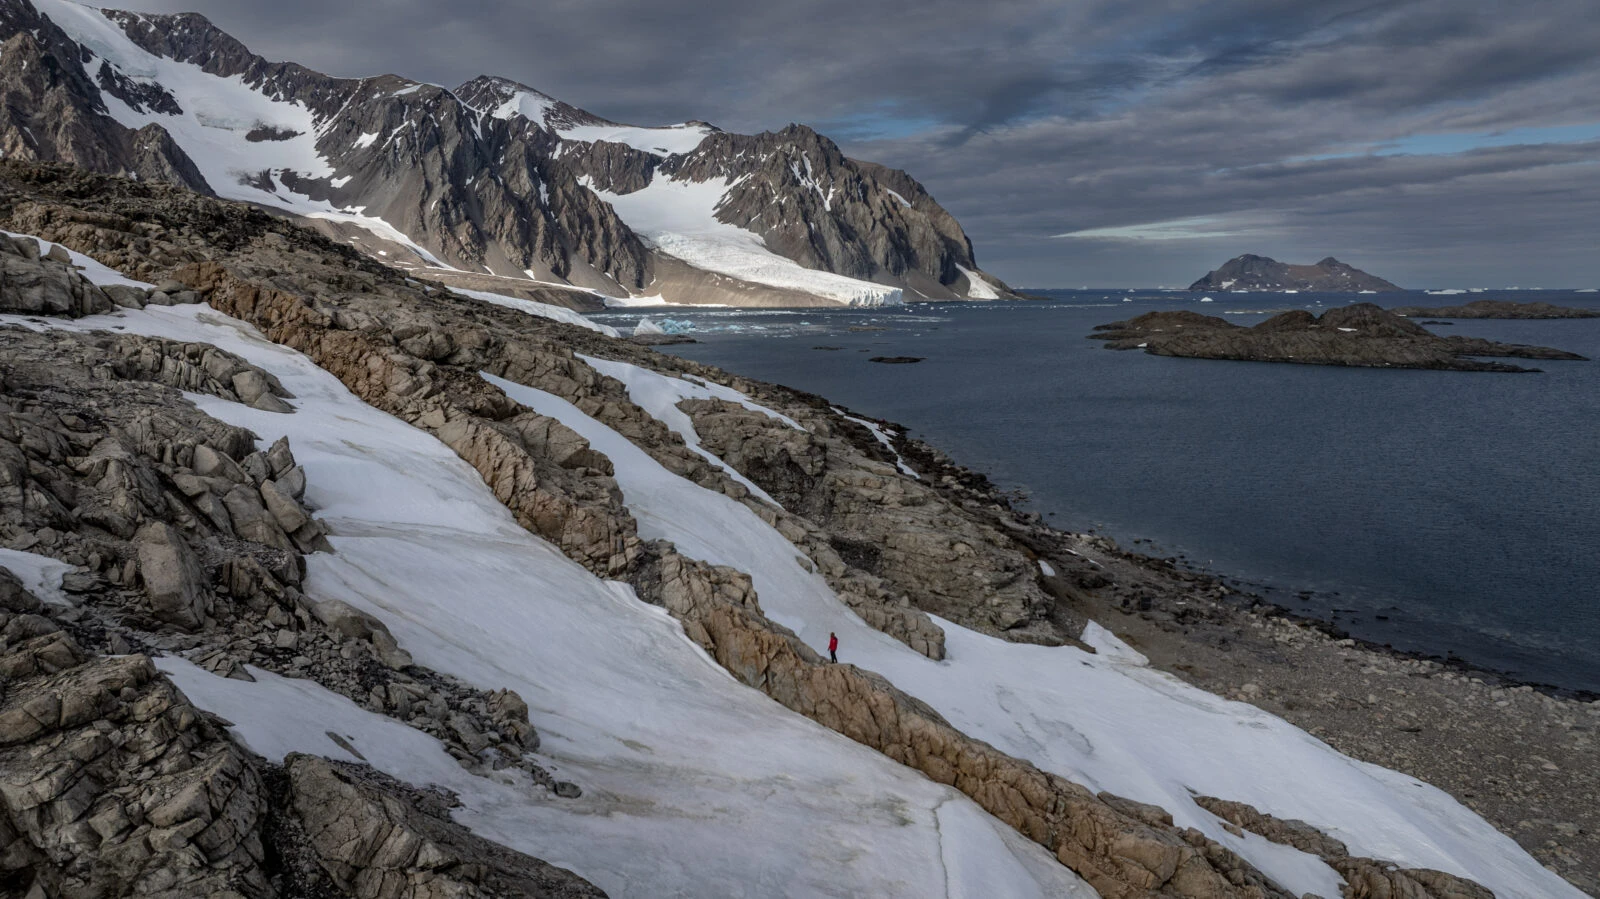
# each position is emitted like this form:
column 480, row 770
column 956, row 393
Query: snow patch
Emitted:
column 977, row 287
column 883, row 438
column 543, row 310
column 40, row 575
column 660, row 395
column 667, row 141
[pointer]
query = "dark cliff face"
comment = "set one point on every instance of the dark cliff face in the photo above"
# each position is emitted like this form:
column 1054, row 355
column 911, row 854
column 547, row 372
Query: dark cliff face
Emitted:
column 51, row 110
column 480, row 178
column 1250, row 272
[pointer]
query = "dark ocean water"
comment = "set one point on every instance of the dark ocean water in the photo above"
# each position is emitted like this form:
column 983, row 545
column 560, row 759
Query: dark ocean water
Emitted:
column 1463, row 508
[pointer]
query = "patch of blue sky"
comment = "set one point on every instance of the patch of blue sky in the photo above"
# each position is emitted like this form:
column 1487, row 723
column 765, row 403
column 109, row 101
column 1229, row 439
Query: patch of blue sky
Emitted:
column 878, row 124
column 1445, row 143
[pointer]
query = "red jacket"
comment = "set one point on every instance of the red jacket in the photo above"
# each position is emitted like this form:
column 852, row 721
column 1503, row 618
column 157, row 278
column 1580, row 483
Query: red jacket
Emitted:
column 833, row 643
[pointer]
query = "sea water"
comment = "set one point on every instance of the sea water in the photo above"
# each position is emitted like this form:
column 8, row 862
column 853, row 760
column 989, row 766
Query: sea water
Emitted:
column 1439, row 512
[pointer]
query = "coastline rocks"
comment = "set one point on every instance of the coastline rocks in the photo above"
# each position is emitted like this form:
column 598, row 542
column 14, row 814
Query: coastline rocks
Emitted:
column 1497, row 309
column 1358, row 335
column 1249, row 272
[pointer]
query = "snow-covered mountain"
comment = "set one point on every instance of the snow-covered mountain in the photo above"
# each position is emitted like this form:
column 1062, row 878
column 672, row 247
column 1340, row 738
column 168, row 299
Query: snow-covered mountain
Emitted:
column 491, row 181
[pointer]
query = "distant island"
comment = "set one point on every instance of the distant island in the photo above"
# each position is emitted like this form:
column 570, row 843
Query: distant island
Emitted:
column 1249, row 272
column 1358, row 335
column 1496, row 309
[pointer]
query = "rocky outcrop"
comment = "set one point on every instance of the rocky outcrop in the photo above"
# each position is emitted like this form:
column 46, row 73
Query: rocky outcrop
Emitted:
column 1249, row 272
column 31, row 284
column 897, row 532
column 111, row 783
column 1496, row 309
column 377, row 838
column 1359, row 335
column 1367, row 878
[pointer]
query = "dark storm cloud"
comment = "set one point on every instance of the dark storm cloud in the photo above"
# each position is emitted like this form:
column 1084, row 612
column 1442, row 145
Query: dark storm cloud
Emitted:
column 1267, row 122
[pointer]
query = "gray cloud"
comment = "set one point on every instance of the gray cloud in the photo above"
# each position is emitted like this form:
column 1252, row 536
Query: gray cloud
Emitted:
column 1033, row 118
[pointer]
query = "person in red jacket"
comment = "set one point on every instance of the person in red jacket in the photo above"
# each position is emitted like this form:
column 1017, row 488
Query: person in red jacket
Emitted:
column 833, row 646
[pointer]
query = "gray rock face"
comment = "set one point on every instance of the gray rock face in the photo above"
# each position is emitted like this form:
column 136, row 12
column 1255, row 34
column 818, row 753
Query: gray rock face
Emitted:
column 1249, row 272
column 470, row 178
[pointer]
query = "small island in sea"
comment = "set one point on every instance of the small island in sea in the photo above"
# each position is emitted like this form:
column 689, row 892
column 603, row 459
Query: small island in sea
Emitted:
column 1247, row 272
column 1361, row 334
column 1497, row 309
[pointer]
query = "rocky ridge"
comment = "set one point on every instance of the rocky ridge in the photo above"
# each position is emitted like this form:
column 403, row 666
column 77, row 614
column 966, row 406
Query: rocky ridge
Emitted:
column 414, row 351
column 1249, row 272
column 1362, row 335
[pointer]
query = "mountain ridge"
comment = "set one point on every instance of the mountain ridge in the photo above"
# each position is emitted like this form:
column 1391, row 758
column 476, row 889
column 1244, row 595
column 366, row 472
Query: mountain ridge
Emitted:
column 493, row 179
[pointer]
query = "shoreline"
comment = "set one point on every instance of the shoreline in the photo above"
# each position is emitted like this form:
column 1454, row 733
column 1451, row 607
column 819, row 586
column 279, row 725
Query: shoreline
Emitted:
column 1524, row 756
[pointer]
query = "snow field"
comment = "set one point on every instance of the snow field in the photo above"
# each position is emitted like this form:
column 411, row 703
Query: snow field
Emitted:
column 1103, row 720
column 693, row 784
column 679, row 219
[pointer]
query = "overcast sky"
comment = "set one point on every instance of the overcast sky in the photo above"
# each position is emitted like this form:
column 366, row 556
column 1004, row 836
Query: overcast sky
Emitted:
column 1436, row 143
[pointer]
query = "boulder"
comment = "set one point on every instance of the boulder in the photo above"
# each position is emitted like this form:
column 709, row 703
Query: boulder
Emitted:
column 174, row 582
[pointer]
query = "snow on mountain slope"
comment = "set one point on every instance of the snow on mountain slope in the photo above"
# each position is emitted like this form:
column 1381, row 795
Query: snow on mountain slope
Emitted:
column 1103, row 721
column 694, row 785
column 679, row 219
column 221, row 124
column 664, row 141
column 977, row 288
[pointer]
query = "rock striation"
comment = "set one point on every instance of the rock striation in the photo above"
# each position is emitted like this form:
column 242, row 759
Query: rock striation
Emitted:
column 1358, row 335
column 1249, row 272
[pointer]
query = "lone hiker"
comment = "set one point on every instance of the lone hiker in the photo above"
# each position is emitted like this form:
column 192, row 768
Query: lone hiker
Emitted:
column 833, row 646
